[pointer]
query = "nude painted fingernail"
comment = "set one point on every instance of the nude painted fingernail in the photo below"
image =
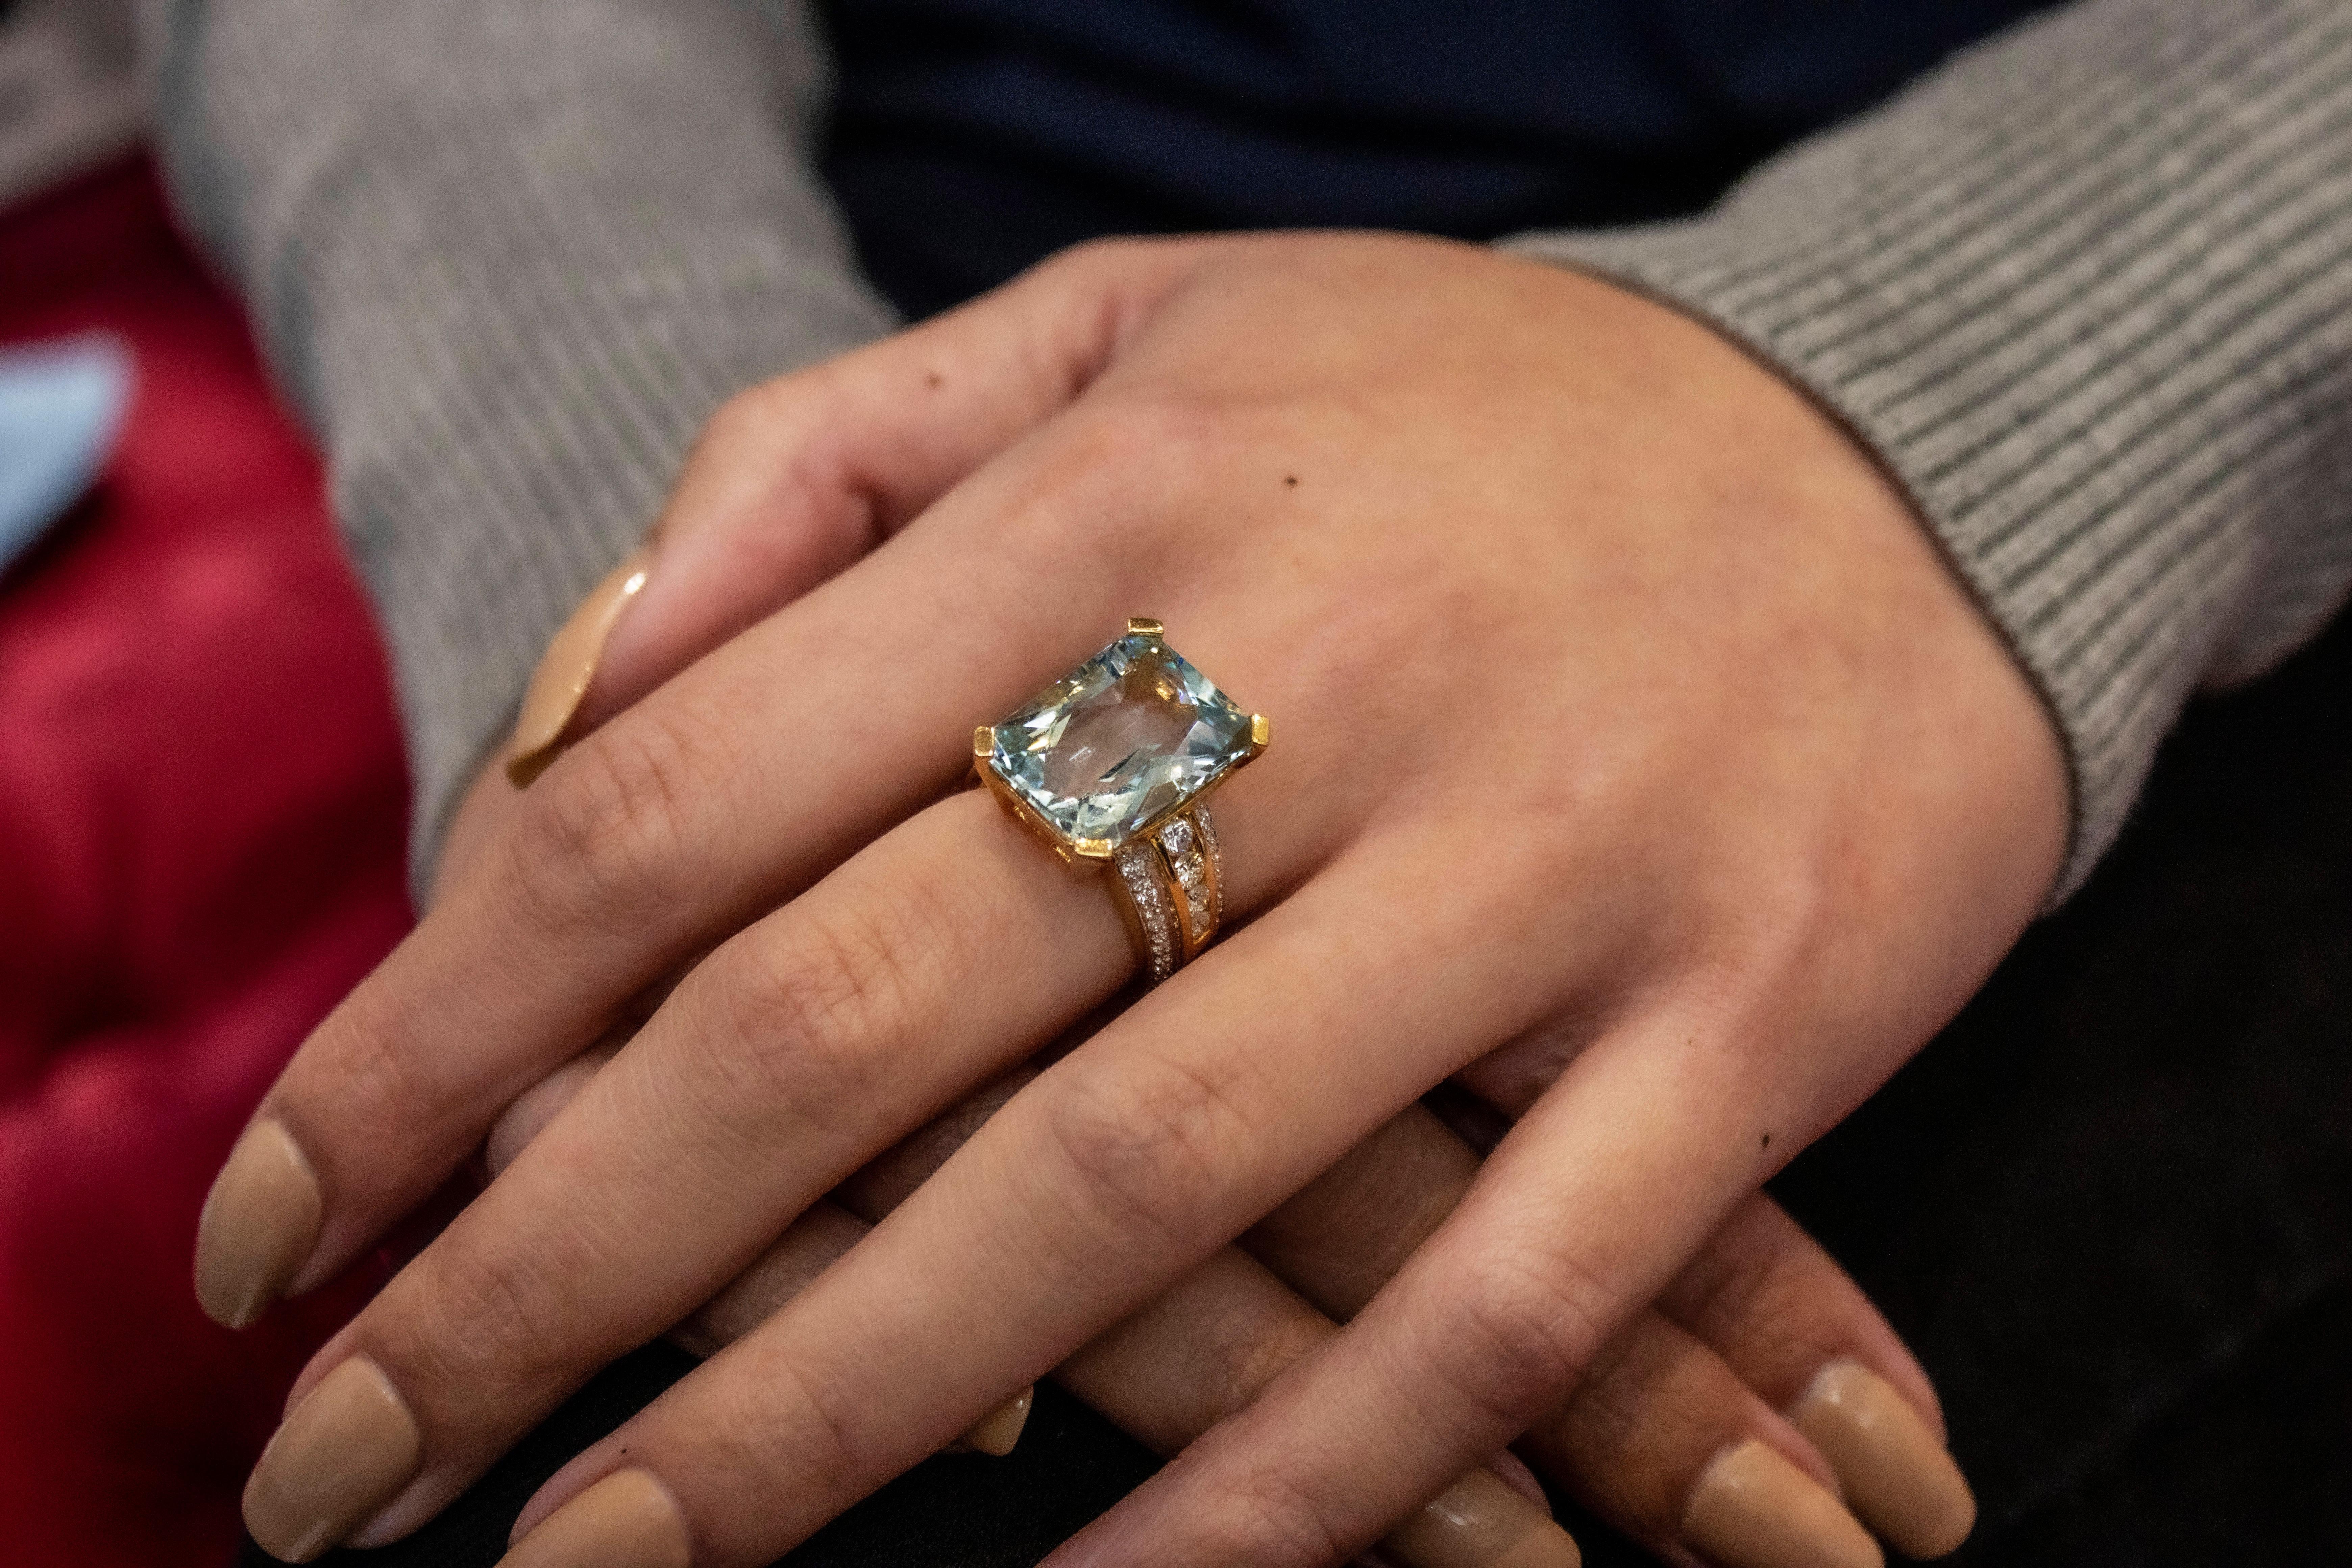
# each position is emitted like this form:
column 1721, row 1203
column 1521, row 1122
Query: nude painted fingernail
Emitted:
column 1482, row 1522
column 1753, row 1509
column 344, row 1453
column 567, row 666
column 995, row 1433
column 625, row 1521
column 1897, row 1476
column 259, row 1223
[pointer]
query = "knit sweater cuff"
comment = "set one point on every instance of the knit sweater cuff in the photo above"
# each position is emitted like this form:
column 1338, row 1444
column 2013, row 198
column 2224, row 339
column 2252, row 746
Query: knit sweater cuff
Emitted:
column 507, row 260
column 2087, row 293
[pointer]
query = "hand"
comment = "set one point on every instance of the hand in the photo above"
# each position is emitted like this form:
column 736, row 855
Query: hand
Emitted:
column 1634, row 738
column 1674, row 1437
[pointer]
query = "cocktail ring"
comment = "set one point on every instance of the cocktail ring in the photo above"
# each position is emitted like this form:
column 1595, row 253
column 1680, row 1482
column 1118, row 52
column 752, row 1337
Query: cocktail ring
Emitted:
column 1110, row 765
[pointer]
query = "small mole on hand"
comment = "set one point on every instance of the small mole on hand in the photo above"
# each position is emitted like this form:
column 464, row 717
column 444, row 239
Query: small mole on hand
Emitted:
column 1768, row 1141
column 1290, row 478
column 935, row 379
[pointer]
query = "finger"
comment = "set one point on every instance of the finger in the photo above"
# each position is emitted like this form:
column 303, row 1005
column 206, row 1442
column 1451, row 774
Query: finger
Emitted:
column 1120, row 1169
column 1579, row 1217
column 1790, row 1323
column 1344, row 1235
column 536, row 1106
column 1655, row 1440
column 765, row 765
column 1203, row 1350
column 1666, row 1442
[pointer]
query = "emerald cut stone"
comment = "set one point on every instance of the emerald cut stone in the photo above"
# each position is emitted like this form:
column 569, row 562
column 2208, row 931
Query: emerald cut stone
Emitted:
column 1120, row 741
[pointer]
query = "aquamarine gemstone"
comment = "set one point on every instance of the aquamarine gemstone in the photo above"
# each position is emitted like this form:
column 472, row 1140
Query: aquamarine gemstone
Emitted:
column 1121, row 741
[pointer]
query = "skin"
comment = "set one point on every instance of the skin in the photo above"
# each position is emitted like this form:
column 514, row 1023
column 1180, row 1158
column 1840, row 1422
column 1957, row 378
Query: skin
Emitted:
column 1758, row 1312
column 1639, row 765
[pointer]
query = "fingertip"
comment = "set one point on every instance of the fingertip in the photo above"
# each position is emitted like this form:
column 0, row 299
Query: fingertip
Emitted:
column 259, row 1226
column 1751, row 1507
column 1898, row 1476
column 628, row 1520
column 999, row 1429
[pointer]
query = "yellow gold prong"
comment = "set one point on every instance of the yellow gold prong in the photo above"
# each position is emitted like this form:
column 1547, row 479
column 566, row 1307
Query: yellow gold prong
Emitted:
column 1092, row 848
column 1261, row 730
column 983, row 741
column 1144, row 626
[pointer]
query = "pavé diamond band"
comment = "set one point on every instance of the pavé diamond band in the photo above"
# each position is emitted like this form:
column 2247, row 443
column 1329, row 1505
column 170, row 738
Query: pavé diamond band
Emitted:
column 1111, row 765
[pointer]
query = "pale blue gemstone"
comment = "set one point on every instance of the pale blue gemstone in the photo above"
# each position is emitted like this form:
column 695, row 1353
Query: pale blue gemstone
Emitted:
column 1124, row 738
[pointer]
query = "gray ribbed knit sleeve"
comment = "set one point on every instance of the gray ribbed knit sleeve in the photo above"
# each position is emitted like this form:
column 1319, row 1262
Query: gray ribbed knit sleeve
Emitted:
column 507, row 256
column 2087, row 292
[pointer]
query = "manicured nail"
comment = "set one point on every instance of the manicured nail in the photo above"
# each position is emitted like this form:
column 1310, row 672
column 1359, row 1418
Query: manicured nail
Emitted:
column 258, row 1227
column 1482, row 1522
column 625, row 1521
column 1753, row 1509
column 344, row 1453
column 567, row 666
column 1897, row 1476
column 999, row 1429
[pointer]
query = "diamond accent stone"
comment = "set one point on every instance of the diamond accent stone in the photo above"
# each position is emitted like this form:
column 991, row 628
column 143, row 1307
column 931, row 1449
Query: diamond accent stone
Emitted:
column 1120, row 741
column 1176, row 837
column 1209, row 847
column 1187, row 868
column 1152, row 908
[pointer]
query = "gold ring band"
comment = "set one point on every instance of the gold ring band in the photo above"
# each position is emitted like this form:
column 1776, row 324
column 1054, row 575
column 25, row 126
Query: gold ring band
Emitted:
column 1111, row 765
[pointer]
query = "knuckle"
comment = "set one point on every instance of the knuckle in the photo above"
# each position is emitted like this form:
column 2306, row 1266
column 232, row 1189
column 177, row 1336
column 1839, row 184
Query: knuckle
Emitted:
column 784, row 1421
column 807, row 1016
column 614, row 820
column 1762, row 1283
column 364, row 1072
column 1095, row 261
column 1276, row 1520
column 1231, row 1370
column 1653, row 1409
column 486, row 1323
column 1146, row 1142
column 1521, row 1339
column 747, row 419
column 1120, row 469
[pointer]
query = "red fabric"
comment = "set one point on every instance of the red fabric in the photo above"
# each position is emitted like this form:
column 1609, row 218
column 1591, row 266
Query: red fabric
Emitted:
column 200, row 804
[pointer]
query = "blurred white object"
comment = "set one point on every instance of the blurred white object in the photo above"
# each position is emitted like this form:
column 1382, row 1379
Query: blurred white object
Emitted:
column 70, row 94
column 61, row 406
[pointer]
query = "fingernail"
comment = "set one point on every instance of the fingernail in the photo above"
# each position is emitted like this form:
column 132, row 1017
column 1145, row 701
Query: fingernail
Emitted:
column 1753, row 1509
column 1482, row 1522
column 999, row 1429
column 344, row 1453
column 625, row 1521
column 260, row 1224
column 567, row 666
column 1897, row 1476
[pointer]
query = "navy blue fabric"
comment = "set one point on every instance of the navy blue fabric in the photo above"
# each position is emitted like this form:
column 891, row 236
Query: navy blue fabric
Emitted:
column 972, row 137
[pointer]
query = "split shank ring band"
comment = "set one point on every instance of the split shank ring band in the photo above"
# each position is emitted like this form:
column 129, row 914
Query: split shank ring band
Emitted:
column 1111, row 765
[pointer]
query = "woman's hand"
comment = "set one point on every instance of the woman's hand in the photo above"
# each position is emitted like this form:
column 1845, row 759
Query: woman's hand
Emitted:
column 1675, row 1436
column 1640, row 765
